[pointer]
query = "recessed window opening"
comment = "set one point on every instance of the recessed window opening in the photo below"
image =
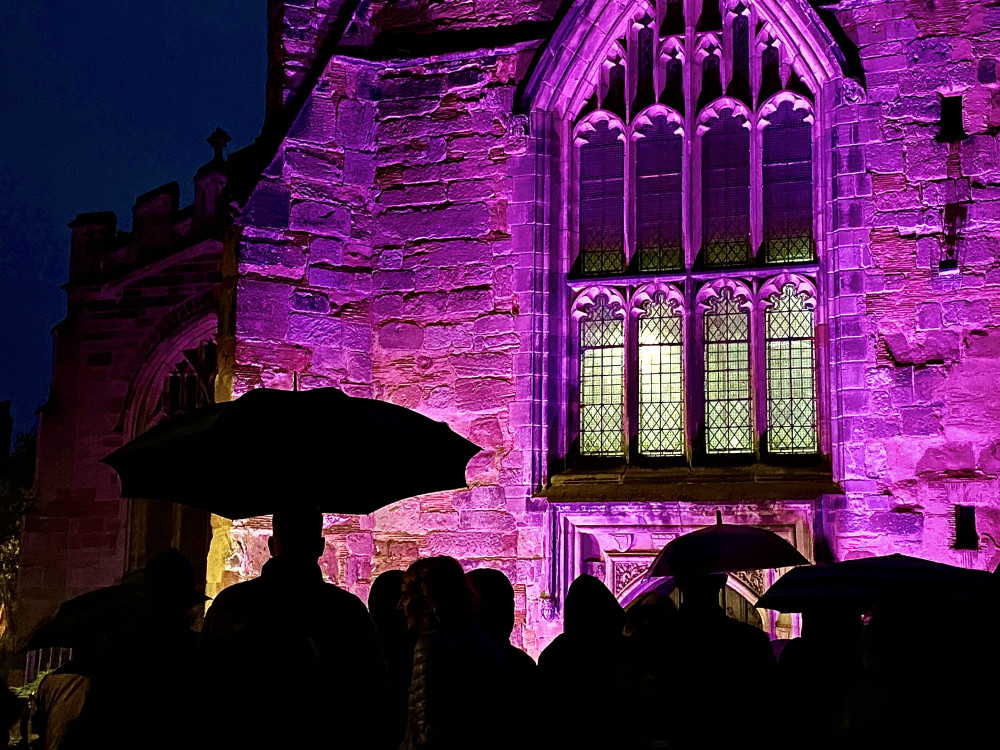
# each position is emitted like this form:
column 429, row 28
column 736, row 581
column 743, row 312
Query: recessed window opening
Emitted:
column 966, row 536
column 952, row 129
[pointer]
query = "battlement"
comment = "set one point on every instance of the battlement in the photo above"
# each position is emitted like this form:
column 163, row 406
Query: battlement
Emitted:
column 99, row 250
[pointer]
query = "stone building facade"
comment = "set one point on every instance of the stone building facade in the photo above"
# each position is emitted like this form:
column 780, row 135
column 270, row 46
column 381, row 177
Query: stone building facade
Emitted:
column 137, row 344
column 660, row 259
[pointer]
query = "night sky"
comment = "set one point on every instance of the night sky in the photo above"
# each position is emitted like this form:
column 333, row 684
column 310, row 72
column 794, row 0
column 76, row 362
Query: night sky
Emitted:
column 101, row 103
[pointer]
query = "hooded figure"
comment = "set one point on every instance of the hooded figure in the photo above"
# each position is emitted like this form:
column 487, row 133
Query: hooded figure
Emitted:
column 585, row 660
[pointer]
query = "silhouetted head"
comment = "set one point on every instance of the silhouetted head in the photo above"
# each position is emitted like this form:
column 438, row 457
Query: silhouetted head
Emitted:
column 383, row 602
column 168, row 582
column 651, row 610
column 436, row 591
column 701, row 591
column 297, row 532
column 592, row 610
column 496, row 601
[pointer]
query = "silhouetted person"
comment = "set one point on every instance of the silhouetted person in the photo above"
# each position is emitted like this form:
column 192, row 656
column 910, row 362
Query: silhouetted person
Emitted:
column 520, row 673
column 496, row 617
column 647, row 667
column 453, row 702
column 713, row 656
column 585, row 660
column 60, row 699
column 296, row 659
column 823, row 670
column 385, row 606
column 140, row 684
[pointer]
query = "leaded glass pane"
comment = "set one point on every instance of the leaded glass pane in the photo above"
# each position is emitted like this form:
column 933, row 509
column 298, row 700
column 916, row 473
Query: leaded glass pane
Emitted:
column 725, row 186
column 787, row 188
column 739, row 85
column 791, row 383
column 658, row 198
column 602, row 379
column 602, row 202
column 644, row 90
column 661, row 379
column 728, row 401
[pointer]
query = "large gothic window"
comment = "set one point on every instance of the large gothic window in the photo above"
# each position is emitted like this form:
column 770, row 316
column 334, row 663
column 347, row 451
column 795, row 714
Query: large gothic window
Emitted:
column 694, row 286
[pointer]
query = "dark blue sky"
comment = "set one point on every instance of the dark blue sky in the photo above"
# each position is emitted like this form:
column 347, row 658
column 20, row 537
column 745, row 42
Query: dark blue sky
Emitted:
column 101, row 103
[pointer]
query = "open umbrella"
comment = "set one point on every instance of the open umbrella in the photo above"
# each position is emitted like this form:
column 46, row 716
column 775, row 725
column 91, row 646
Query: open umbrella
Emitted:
column 725, row 548
column 861, row 583
column 241, row 458
column 85, row 619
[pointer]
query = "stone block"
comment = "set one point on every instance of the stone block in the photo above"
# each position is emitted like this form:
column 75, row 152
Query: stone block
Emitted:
column 920, row 420
column 898, row 522
column 355, row 126
column 268, row 207
column 928, row 316
column 400, row 336
column 466, row 220
column 483, row 394
column 329, row 251
column 306, row 301
column 320, row 218
column 321, row 330
column 262, row 309
column 359, row 168
column 951, row 458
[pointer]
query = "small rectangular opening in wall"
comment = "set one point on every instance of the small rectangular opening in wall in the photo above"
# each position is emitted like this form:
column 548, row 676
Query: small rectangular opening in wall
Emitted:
column 952, row 128
column 966, row 536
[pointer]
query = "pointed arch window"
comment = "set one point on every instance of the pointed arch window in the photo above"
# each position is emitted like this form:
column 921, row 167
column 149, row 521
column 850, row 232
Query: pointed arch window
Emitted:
column 602, row 372
column 694, row 146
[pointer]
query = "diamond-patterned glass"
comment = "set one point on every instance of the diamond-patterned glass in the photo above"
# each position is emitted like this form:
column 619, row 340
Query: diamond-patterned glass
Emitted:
column 787, row 173
column 791, row 383
column 602, row 203
column 658, row 198
column 645, row 93
column 725, row 187
column 602, row 379
column 728, row 401
column 661, row 379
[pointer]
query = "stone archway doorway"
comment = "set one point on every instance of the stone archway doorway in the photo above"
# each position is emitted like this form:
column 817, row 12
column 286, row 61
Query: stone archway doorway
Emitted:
column 735, row 598
column 155, row 525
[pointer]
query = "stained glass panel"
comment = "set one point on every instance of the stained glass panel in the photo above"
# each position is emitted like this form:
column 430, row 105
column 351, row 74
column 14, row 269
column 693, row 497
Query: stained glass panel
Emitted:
column 787, row 188
column 658, row 198
column 791, row 384
column 725, row 187
column 661, row 379
column 602, row 202
column 728, row 401
column 602, row 379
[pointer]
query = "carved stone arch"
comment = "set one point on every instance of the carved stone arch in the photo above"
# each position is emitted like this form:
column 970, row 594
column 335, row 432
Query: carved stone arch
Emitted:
column 804, row 287
column 713, row 290
column 645, row 119
column 771, row 105
column 559, row 82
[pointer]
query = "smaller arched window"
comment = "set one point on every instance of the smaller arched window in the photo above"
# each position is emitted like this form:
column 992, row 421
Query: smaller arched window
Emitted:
column 602, row 199
column 725, row 189
column 661, row 373
column 791, row 382
column 602, row 376
column 728, row 395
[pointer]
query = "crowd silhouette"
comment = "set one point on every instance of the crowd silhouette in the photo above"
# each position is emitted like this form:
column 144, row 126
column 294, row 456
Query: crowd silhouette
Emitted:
column 287, row 660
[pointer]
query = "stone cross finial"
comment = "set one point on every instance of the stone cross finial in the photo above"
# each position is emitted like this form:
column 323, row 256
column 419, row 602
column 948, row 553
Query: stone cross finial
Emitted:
column 218, row 141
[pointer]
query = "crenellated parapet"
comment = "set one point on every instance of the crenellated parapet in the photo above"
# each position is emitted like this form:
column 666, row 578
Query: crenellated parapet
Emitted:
column 100, row 251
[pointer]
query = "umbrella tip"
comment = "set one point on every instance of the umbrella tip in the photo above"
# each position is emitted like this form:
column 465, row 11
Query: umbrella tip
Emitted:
column 718, row 517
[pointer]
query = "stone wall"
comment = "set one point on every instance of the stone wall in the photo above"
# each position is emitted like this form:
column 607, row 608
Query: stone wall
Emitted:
column 915, row 282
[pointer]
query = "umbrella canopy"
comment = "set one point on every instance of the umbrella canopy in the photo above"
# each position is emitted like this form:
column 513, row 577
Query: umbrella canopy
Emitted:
column 725, row 548
column 86, row 619
column 241, row 458
column 861, row 583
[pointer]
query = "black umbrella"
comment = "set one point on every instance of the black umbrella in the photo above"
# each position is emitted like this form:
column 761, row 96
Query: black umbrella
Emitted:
column 242, row 458
column 725, row 548
column 85, row 620
column 861, row 583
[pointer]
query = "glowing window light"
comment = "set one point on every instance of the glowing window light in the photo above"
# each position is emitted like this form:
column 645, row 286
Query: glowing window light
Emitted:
column 661, row 379
column 728, row 401
column 602, row 379
column 791, row 383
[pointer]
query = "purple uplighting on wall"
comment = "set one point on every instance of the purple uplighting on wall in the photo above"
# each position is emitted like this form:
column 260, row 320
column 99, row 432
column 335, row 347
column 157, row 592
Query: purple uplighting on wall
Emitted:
column 659, row 261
